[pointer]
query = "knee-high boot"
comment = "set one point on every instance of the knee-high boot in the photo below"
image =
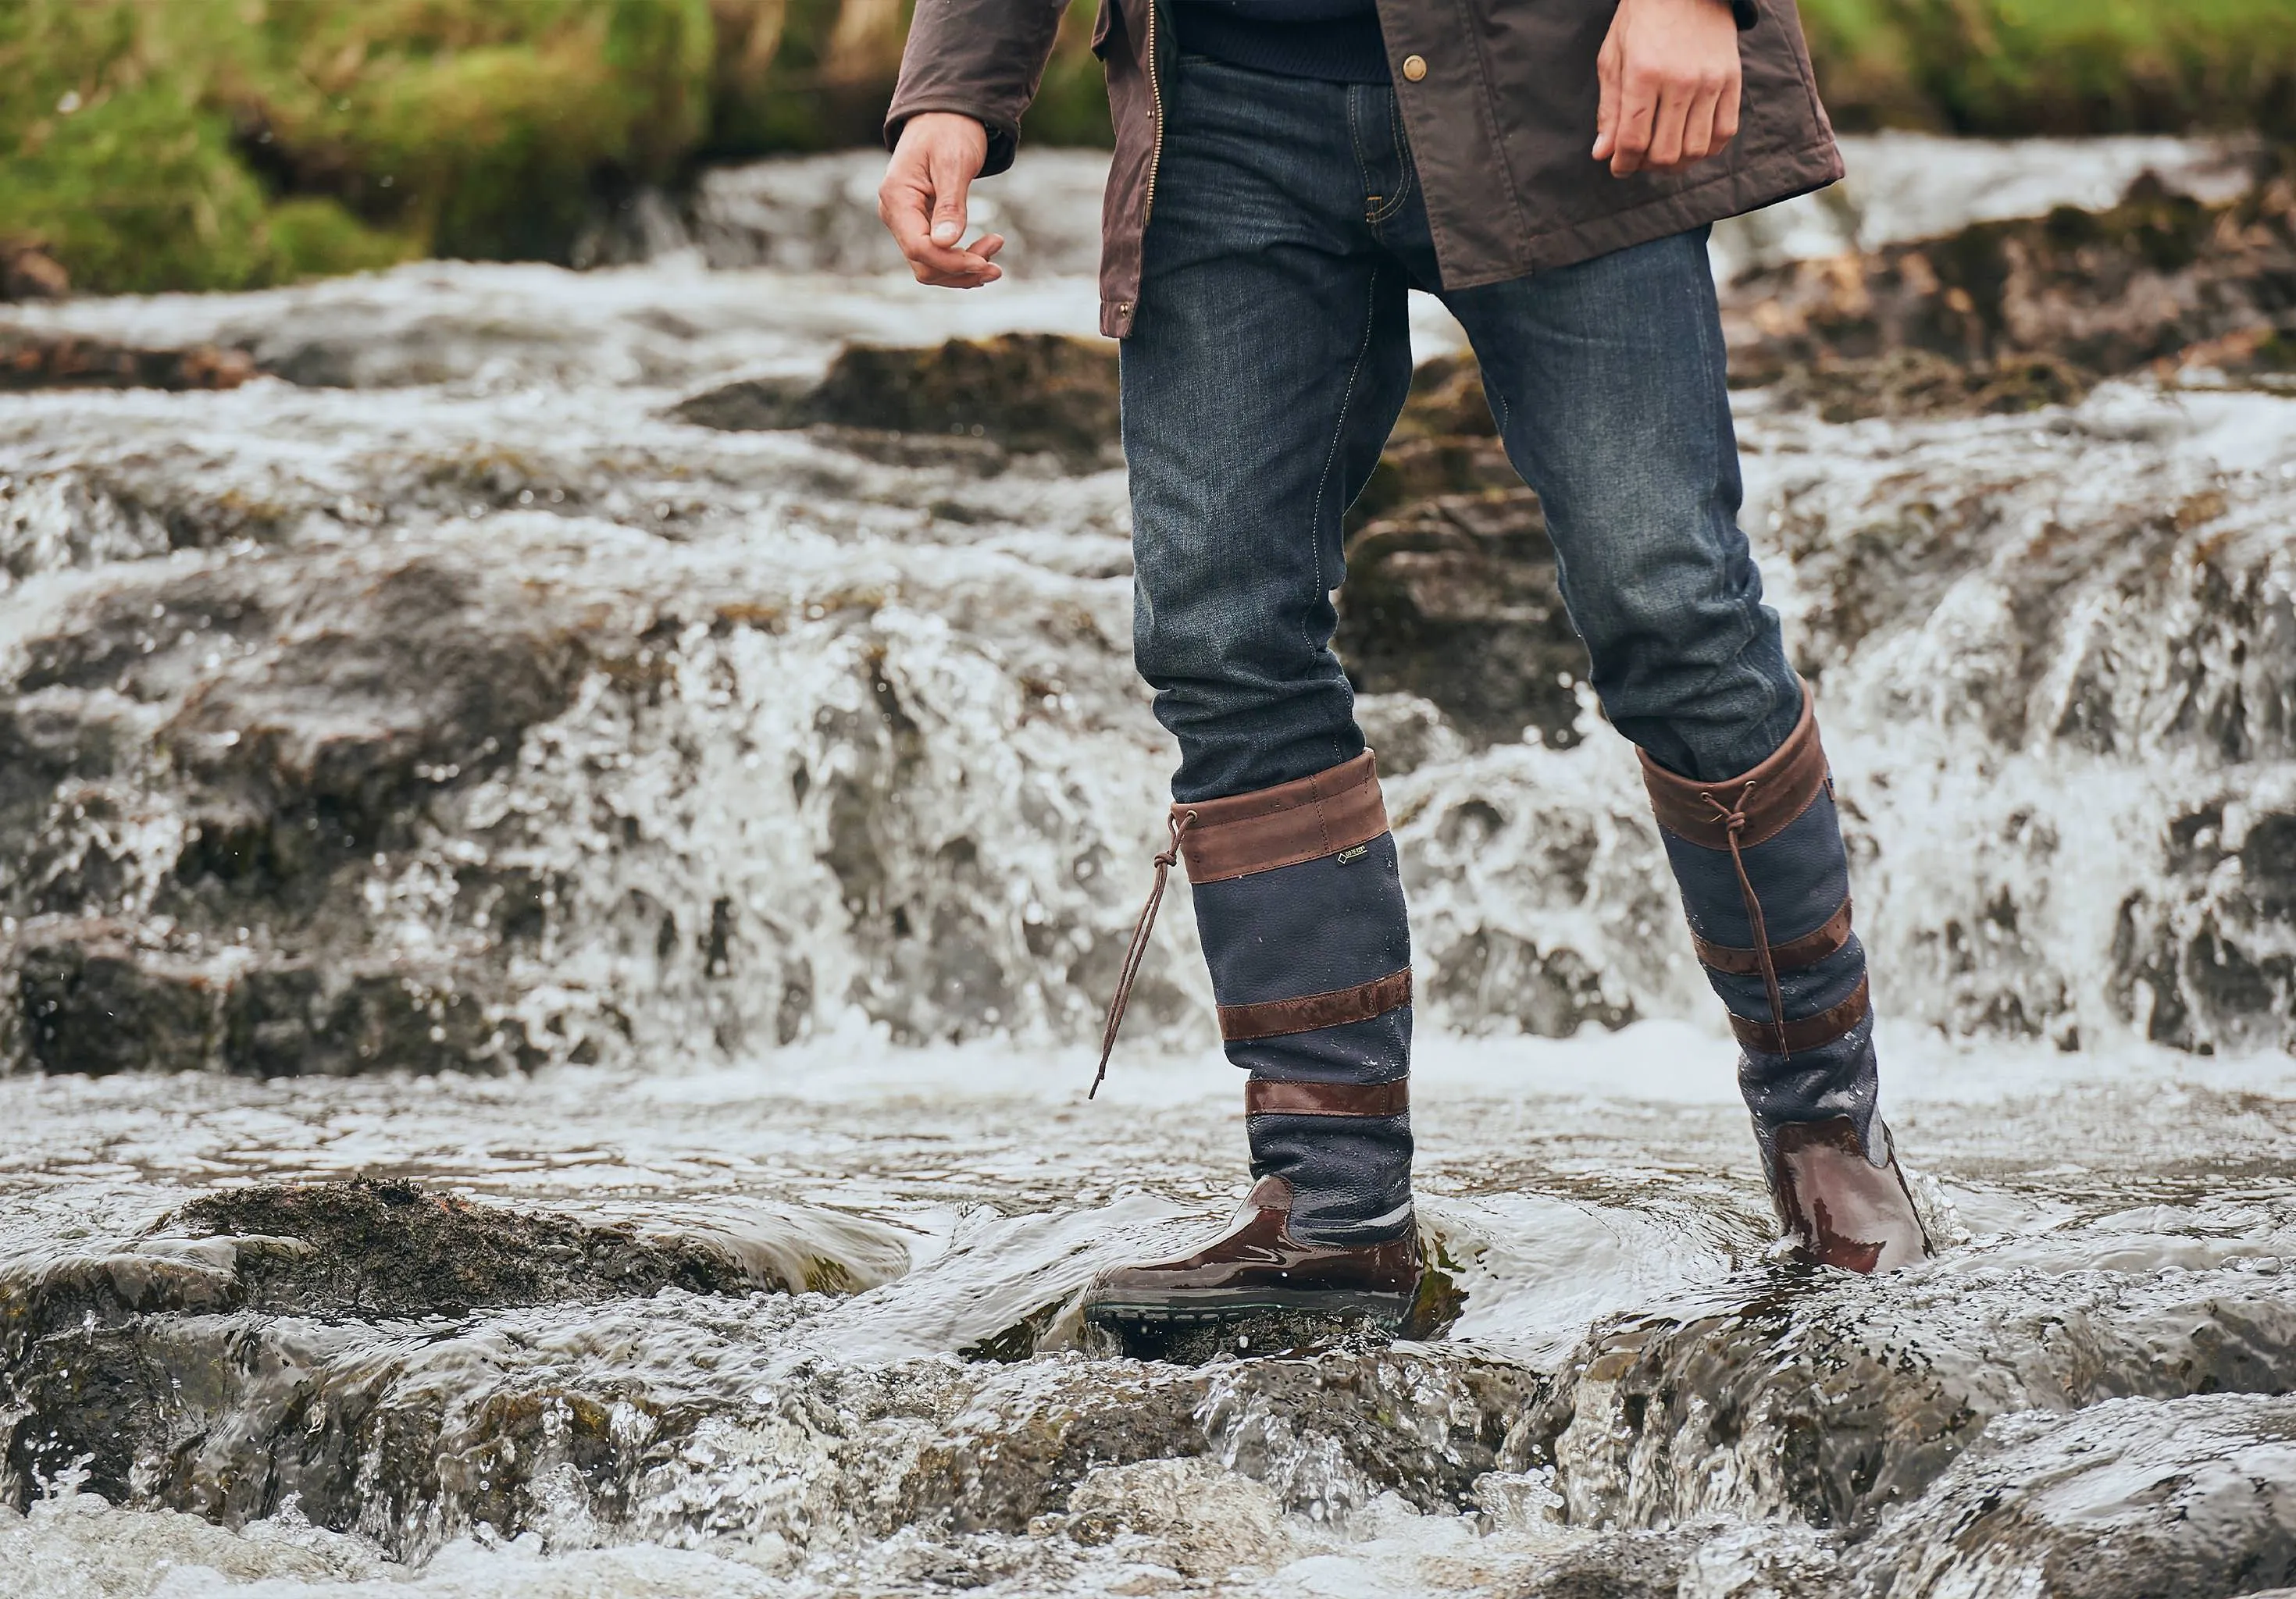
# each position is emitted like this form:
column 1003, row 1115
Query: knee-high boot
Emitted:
column 1766, row 886
column 1299, row 906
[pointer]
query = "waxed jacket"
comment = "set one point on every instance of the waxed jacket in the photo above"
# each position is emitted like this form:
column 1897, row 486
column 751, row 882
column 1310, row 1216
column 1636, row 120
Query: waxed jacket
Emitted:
column 1498, row 99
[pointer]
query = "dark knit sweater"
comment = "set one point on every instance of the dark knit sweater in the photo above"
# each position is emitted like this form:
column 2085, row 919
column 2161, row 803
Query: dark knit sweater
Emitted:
column 1335, row 40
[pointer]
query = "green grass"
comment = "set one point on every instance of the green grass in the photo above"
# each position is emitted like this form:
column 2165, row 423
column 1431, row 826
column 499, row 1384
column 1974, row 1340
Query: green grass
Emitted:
column 2011, row 66
column 222, row 143
column 225, row 143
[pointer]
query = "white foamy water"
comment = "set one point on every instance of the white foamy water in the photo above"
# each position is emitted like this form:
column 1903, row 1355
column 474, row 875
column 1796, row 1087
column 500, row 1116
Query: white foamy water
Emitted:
column 790, row 915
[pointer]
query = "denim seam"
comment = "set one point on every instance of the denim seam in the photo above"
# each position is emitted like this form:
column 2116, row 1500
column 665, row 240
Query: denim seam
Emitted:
column 1339, row 435
column 1355, row 140
column 1406, row 170
column 1750, row 632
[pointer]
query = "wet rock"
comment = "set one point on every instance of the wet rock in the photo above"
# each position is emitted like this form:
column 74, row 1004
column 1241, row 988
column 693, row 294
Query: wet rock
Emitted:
column 1836, row 1402
column 1456, row 600
column 1337, row 1430
column 1620, row 1565
column 365, row 1249
column 1446, row 402
column 28, row 272
column 1541, row 893
column 92, row 997
column 374, row 1249
column 1026, row 392
column 1414, row 470
column 256, row 1346
column 1918, row 382
column 1187, row 1514
column 2127, row 1499
column 31, row 360
column 2101, row 291
column 94, row 1004
column 1492, row 979
column 1407, row 732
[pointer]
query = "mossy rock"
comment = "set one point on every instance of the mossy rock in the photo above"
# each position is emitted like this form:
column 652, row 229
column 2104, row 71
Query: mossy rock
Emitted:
column 387, row 1248
column 1025, row 392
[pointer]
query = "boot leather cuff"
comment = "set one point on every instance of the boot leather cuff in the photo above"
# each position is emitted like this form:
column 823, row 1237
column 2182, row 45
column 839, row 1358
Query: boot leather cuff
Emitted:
column 1265, row 1097
column 1769, row 797
column 1303, row 820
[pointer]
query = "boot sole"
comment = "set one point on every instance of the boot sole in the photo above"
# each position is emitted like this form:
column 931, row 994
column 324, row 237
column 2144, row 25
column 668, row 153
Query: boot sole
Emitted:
column 1213, row 1306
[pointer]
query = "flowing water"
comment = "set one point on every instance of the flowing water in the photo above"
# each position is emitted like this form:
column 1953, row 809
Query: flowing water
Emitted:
column 734, row 836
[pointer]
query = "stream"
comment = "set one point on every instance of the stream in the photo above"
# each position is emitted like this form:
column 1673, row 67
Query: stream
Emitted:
column 438, row 764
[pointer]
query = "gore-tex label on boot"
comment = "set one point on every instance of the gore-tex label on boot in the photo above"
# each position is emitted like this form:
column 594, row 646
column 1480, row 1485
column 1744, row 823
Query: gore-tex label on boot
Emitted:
column 1356, row 853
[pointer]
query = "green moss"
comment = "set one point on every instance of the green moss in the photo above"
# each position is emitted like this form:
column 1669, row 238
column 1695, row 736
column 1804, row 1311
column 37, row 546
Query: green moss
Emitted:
column 1071, row 104
column 2013, row 67
column 223, row 143
column 219, row 143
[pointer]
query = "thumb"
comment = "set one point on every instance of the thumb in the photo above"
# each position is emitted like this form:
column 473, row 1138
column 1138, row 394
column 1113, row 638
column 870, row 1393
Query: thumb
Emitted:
column 950, row 181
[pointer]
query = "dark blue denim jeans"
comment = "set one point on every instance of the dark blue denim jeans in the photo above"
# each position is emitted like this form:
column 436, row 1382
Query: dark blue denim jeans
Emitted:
column 1269, row 359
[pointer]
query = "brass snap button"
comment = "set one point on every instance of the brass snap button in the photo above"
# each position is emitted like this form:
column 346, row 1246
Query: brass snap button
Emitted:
column 1415, row 67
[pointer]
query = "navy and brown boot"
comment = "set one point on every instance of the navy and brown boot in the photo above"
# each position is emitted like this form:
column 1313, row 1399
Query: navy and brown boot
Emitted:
column 1299, row 908
column 1765, row 883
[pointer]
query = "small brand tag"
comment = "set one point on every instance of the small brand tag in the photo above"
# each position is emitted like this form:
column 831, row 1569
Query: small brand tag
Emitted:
column 1356, row 853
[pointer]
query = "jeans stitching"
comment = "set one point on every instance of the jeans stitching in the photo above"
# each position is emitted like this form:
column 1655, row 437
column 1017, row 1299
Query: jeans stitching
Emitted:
column 1355, row 142
column 1339, row 433
column 1403, row 162
column 1750, row 632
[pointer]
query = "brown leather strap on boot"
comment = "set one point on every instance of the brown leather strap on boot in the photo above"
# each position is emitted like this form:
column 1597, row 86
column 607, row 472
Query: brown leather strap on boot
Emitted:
column 1181, row 821
column 1734, row 816
column 1304, row 820
column 1265, row 1097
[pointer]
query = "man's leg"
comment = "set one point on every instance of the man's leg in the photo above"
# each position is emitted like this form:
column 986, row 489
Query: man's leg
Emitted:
column 1607, row 379
column 1268, row 360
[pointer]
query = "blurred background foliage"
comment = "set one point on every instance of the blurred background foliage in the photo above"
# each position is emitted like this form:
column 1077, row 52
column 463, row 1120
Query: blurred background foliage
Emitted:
column 225, row 143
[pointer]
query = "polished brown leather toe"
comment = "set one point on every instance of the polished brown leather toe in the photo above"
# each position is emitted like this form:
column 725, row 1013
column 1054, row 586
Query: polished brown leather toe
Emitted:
column 1839, row 1207
column 1258, row 1265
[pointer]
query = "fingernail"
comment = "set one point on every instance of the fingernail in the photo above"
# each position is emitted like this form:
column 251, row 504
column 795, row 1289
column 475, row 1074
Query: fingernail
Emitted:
column 945, row 233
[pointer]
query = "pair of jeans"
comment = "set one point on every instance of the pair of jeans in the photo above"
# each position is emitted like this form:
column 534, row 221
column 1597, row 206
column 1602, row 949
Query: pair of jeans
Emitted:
column 1269, row 359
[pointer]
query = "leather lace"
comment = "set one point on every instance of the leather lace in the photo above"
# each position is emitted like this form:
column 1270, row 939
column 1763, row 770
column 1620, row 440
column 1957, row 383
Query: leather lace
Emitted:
column 1735, row 821
column 1165, row 862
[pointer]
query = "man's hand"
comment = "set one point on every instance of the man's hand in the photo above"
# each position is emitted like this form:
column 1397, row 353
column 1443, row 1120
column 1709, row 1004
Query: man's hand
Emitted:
column 1670, row 81
column 922, row 201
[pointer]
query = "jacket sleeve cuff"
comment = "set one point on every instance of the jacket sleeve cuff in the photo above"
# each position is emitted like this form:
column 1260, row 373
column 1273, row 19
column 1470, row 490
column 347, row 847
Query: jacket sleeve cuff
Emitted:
column 1004, row 140
column 1747, row 12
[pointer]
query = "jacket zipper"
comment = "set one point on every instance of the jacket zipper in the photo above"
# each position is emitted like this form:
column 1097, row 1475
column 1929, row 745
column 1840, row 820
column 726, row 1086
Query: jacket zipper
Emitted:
column 1155, row 150
column 1156, row 114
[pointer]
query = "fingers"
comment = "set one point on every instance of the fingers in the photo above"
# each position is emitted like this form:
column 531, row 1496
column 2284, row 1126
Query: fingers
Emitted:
column 906, row 207
column 921, row 201
column 945, row 170
column 1698, row 140
column 1667, row 123
column 1606, row 113
column 1725, row 111
column 1638, row 109
column 1669, row 85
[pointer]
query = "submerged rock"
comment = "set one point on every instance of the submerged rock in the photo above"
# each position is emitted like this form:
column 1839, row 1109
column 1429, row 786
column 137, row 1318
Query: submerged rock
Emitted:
column 2130, row 1498
column 30, row 360
column 1837, row 1402
column 675, row 1417
column 317, row 1340
column 370, row 1249
column 382, row 1248
column 1025, row 391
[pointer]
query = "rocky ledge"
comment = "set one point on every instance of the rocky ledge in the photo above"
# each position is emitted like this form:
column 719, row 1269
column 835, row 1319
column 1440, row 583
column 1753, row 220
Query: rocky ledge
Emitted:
column 409, row 1366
